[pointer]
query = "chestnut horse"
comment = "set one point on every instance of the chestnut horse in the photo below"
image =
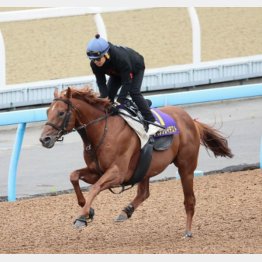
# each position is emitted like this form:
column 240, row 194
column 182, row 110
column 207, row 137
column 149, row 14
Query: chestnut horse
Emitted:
column 112, row 149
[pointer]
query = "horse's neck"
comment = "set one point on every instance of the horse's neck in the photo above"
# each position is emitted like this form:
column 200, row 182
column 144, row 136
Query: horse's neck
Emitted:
column 87, row 112
column 87, row 116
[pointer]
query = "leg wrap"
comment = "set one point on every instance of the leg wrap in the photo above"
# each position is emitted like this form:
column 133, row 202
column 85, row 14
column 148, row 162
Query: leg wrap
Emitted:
column 129, row 210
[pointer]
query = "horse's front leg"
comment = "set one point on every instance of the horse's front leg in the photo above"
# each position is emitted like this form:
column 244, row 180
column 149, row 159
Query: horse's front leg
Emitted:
column 85, row 175
column 141, row 196
column 109, row 179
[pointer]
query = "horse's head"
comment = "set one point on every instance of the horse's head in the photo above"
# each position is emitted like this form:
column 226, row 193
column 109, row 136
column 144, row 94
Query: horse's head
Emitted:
column 61, row 116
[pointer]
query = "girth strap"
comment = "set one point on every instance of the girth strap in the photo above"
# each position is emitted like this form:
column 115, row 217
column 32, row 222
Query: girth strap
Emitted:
column 143, row 163
column 142, row 166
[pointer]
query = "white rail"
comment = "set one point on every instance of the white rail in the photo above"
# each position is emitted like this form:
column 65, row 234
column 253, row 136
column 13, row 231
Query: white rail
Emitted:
column 196, row 35
column 2, row 62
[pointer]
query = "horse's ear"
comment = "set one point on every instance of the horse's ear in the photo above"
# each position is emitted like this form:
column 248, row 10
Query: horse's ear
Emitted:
column 56, row 93
column 68, row 93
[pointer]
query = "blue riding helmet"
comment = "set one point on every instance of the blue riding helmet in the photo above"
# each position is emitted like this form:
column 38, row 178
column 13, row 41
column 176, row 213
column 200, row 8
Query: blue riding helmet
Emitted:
column 97, row 47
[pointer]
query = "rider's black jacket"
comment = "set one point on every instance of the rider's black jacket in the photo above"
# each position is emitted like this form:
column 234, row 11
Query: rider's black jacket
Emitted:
column 123, row 63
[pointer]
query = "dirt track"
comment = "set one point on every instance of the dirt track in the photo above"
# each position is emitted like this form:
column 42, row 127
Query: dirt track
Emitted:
column 227, row 220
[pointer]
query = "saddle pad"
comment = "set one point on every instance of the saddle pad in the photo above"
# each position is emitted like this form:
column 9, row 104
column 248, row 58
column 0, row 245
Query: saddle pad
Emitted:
column 166, row 121
column 138, row 127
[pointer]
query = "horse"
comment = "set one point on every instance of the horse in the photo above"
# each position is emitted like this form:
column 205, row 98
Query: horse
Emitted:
column 111, row 150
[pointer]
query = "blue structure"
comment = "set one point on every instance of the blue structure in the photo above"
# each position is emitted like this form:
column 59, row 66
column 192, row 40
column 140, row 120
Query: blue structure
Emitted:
column 207, row 95
column 260, row 153
column 14, row 162
column 21, row 118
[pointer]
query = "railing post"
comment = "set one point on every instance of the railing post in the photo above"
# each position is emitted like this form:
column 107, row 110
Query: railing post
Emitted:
column 196, row 35
column 2, row 62
column 14, row 162
column 100, row 25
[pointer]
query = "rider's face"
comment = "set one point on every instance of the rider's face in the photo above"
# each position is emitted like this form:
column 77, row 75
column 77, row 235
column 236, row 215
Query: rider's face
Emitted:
column 99, row 62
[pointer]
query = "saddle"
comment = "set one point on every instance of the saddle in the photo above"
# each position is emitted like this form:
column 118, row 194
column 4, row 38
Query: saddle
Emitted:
column 133, row 110
column 162, row 139
column 159, row 142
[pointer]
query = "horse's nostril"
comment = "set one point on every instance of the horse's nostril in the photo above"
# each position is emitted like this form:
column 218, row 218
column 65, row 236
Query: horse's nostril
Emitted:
column 45, row 140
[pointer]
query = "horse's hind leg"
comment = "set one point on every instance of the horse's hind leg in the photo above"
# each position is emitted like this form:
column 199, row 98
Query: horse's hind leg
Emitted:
column 141, row 196
column 186, row 173
column 189, row 201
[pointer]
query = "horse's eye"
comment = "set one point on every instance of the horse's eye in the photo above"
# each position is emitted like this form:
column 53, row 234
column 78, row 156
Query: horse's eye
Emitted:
column 60, row 114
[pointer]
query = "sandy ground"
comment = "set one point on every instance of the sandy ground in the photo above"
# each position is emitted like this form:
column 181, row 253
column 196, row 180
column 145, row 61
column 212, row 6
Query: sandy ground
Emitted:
column 55, row 48
column 227, row 221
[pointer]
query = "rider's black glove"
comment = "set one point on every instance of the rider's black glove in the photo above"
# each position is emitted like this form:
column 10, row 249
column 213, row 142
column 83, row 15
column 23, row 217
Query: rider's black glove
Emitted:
column 113, row 110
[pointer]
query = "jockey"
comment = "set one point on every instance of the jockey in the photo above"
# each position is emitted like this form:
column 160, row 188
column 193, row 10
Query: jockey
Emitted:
column 125, row 68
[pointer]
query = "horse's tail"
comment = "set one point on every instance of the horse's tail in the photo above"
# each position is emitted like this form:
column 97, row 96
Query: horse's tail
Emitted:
column 212, row 139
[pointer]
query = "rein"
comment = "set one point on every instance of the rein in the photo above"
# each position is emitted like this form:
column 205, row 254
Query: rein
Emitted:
column 62, row 129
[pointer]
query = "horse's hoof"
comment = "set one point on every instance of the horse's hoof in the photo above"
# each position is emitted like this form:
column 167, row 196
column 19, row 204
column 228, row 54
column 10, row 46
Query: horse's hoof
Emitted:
column 121, row 218
column 188, row 234
column 80, row 222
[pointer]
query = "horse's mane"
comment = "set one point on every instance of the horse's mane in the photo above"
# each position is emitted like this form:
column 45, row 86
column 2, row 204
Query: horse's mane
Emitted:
column 86, row 94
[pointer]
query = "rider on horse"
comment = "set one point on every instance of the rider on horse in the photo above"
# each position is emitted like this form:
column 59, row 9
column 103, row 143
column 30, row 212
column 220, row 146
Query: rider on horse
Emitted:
column 125, row 68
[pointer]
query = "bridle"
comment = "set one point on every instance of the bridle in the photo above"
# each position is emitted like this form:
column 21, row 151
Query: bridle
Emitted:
column 62, row 129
